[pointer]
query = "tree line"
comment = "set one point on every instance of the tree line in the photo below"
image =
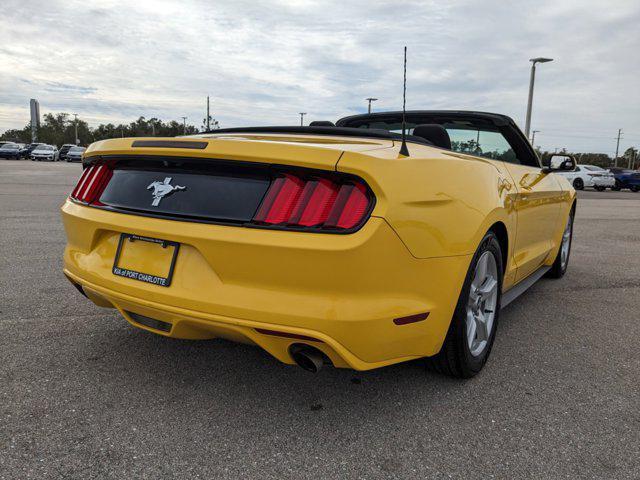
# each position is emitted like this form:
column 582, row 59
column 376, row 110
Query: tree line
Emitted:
column 59, row 128
column 629, row 159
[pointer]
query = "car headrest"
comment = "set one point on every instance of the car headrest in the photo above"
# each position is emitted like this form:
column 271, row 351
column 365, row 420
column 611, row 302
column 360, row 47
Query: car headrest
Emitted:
column 433, row 133
column 322, row 123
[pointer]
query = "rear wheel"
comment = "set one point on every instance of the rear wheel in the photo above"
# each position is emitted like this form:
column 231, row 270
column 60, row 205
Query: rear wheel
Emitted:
column 473, row 327
column 634, row 188
column 578, row 184
column 600, row 189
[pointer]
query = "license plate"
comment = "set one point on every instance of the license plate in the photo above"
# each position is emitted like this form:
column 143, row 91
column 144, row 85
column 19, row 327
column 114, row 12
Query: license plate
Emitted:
column 146, row 259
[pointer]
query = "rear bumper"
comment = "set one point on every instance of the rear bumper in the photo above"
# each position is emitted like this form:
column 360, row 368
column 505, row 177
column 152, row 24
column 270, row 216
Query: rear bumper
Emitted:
column 342, row 290
column 604, row 182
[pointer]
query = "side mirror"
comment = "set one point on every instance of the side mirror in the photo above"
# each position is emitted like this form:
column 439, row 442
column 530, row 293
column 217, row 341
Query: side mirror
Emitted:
column 560, row 163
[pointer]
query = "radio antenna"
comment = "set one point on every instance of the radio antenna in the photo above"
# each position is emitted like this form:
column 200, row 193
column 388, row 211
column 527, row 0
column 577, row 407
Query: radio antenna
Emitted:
column 403, row 148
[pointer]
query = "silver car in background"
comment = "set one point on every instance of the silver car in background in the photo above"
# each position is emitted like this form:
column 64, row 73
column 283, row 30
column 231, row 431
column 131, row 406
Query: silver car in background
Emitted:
column 47, row 153
column 74, row 154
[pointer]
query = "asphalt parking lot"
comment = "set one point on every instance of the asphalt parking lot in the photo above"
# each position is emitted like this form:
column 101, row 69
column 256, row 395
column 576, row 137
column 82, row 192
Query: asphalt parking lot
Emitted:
column 84, row 395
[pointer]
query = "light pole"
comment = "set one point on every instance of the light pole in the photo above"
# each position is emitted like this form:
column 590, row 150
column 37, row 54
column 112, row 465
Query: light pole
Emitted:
column 208, row 115
column 302, row 114
column 533, row 137
column 533, row 61
column 75, row 121
column 370, row 100
column 184, row 125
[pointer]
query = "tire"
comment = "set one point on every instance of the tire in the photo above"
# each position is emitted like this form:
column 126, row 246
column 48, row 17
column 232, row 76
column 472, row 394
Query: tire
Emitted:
column 616, row 187
column 456, row 357
column 578, row 184
column 600, row 189
column 634, row 188
column 560, row 264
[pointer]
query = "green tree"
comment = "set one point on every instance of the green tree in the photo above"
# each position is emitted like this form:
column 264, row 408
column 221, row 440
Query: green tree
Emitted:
column 17, row 135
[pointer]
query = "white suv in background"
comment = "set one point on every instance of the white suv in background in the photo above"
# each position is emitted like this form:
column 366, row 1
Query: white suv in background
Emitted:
column 590, row 176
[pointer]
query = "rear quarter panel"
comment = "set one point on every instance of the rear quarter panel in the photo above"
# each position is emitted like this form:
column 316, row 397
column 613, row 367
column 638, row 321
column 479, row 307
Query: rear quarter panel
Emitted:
column 439, row 203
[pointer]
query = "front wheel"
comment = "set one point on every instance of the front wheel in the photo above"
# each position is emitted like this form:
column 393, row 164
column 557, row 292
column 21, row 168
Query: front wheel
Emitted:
column 578, row 184
column 559, row 267
column 473, row 326
column 634, row 188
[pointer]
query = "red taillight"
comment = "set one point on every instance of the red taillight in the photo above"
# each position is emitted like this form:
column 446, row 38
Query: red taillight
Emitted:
column 280, row 200
column 316, row 202
column 349, row 208
column 91, row 184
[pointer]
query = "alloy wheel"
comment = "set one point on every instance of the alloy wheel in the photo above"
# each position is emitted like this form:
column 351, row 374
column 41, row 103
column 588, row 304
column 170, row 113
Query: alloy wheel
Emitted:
column 482, row 303
column 566, row 243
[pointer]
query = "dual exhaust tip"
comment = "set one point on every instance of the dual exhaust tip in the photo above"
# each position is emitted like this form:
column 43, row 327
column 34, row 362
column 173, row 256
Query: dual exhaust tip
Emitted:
column 307, row 357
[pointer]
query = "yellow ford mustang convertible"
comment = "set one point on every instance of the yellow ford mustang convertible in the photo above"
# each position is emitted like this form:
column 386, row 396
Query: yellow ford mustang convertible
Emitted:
column 327, row 244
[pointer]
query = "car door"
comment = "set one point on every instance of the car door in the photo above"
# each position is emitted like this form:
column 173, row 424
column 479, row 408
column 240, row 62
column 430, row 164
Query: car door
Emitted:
column 534, row 196
column 537, row 203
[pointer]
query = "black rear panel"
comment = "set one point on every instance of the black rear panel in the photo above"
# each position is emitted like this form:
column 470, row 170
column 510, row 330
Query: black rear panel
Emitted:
column 185, row 189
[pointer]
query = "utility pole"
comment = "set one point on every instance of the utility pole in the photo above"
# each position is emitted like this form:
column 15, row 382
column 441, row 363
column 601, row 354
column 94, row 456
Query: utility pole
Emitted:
column 533, row 137
column 184, row 125
column 617, row 147
column 302, row 114
column 208, row 115
column 76, row 125
column 370, row 100
column 631, row 160
column 153, row 129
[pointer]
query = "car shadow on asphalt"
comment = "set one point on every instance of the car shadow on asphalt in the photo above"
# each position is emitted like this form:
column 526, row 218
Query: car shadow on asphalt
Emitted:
column 219, row 369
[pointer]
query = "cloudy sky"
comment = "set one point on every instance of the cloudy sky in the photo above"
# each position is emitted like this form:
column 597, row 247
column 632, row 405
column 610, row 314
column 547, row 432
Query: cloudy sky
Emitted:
column 262, row 62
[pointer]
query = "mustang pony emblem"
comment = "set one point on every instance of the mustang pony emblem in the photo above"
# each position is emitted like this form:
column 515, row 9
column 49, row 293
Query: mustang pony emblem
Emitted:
column 162, row 189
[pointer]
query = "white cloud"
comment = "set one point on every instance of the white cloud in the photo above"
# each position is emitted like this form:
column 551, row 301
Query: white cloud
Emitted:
column 262, row 62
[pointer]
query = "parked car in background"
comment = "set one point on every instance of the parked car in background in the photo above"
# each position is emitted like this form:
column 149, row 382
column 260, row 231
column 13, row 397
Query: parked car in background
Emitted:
column 11, row 150
column 2, row 144
column 626, row 178
column 24, row 150
column 47, row 153
column 30, row 148
column 75, row 154
column 64, row 149
column 590, row 176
